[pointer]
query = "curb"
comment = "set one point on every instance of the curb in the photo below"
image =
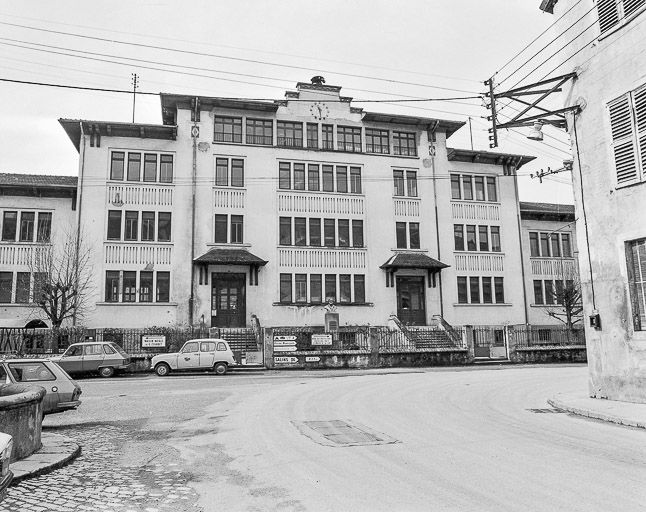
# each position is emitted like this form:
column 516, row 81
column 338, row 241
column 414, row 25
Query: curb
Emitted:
column 589, row 413
column 56, row 442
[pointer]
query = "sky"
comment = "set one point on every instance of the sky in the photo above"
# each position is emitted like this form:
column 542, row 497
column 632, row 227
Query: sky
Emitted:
column 374, row 49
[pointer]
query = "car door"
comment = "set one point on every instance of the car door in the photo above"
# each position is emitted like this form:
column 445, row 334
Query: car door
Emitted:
column 207, row 354
column 189, row 356
column 92, row 357
column 72, row 360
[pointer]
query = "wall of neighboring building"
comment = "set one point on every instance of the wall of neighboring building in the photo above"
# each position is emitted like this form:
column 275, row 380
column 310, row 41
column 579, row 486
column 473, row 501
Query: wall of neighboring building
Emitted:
column 611, row 214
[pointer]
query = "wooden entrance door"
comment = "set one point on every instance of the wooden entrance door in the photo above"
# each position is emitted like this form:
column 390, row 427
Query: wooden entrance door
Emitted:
column 228, row 305
column 411, row 302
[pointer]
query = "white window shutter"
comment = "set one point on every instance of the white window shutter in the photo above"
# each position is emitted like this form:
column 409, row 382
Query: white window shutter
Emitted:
column 639, row 101
column 631, row 6
column 608, row 14
column 621, row 124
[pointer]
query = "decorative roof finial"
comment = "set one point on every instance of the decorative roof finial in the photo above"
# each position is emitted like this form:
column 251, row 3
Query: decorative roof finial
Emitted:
column 317, row 80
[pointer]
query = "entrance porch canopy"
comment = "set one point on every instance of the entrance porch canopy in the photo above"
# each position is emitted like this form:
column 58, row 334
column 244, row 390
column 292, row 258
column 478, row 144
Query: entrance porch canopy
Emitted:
column 232, row 257
column 404, row 260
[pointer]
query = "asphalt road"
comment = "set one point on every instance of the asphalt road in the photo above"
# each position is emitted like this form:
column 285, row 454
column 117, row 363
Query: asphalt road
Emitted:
column 427, row 439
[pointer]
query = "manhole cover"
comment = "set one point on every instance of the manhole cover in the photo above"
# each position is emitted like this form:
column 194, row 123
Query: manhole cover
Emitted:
column 545, row 411
column 341, row 433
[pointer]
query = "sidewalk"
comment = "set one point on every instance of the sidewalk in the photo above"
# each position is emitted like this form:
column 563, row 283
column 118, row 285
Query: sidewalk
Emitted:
column 622, row 413
column 56, row 452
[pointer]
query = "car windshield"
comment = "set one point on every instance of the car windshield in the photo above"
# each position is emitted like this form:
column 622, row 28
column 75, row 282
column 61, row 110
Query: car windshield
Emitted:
column 119, row 349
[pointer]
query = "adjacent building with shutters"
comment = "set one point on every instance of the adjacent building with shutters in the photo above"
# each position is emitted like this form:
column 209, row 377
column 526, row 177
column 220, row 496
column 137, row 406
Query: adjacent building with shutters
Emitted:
column 609, row 143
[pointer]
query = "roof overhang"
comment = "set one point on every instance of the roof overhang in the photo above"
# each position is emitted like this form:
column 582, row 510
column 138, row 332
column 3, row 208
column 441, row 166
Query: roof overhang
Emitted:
column 547, row 212
column 487, row 157
column 217, row 256
column 413, row 260
column 450, row 127
column 37, row 185
column 75, row 127
column 172, row 102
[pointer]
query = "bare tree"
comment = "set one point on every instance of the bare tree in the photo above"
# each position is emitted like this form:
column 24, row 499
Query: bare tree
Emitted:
column 566, row 300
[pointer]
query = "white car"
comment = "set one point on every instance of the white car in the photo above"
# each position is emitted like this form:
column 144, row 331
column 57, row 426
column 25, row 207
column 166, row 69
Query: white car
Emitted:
column 200, row 354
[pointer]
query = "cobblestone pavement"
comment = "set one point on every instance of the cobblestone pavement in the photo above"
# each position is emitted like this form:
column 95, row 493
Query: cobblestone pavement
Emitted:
column 105, row 478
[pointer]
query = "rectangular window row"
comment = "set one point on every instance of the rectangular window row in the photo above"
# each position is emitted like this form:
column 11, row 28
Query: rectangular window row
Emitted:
column 133, row 286
column 304, row 231
column 138, row 226
column 27, row 287
column 157, row 167
column 290, row 134
column 405, row 187
column 481, row 290
column 229, row 229
column 328, row 178
column 473, row 188
column 319, row 288
column 407, row 235
column 470, row 237
column 27, row 226
column 229, row 172
column 550, row 292
column 546, row 245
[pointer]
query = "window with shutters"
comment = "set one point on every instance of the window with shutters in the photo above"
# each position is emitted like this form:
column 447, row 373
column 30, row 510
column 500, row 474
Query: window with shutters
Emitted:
column 636, row 266
column 628, row 128
column 615, row 13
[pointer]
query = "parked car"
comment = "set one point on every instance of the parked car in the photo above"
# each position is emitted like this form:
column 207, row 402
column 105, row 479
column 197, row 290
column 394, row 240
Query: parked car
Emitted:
column 106, row 358
column 6, row 445
column 62, row 392
column 197, row 354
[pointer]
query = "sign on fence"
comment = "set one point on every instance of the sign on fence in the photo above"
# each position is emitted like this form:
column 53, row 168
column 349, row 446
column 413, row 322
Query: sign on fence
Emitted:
column 285, row 349
column 321, row 339
column 284, row 338
column 284, row 343
column 312, row 359
column 285, row 360
column 156, row 341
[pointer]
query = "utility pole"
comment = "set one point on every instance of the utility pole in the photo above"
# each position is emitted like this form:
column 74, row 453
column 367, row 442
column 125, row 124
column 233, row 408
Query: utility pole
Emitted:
column 471, row 133
column 135, row 86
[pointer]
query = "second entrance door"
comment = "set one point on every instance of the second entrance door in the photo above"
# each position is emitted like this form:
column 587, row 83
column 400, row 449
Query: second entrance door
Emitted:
column 411, row 303
column 228, row 300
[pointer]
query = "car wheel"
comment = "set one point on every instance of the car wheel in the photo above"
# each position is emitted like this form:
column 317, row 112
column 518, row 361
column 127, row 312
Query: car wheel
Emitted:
column 162, row 369
column 220, row 368
column 106, row 371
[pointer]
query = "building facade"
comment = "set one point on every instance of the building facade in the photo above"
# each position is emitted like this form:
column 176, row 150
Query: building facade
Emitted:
column 610, row 190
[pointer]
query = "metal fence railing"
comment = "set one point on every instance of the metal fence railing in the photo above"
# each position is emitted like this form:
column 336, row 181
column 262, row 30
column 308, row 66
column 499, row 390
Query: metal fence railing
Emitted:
column 528, row 336
column 412, row 338
column 346, row 338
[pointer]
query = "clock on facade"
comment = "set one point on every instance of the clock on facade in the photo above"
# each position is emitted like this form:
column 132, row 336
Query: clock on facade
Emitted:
column 319, row 110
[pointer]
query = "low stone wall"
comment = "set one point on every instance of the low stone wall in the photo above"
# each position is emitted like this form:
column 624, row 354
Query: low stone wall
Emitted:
column 21, row 413
column 440, row 357
column 555, row 354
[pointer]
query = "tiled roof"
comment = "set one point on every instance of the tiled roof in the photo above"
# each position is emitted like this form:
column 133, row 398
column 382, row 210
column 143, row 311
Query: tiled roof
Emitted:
column 230, row 257
column 413, row 260
column 37, row 180
column 546, row 207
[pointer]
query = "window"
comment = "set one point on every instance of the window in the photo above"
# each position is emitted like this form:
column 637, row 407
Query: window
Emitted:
column 359, row 288
column 404, row 144
column 221, row 172
column 260, row 131
column 286, row 288
column 313, row 177
column 471, row 238
column 400, row 232
column 613, row 13
column 486, row 291
column 145, row 286
column 483, row 237
column 463, row 297
column 377, row 141
column 109, row 350
column 556, row 245
column 341, row 178
column 147, row 226
column 6, row 287
column 220, row 229
column 495, row 239
column 300, row 287
column 469, row 289
column 114, row 224
column 116, row 165
column 330, row 287
column 236, row 229
column 492, row 194
column 538, row 292
column 289, row 134
column 345, row 288
column 398, row 178
column 315, row 232
column 329, row 236
column 191, row 347
column 348, row 139
column 328, row 136
column 474, row 290
column 129, row 286
column 207, row 346
column 134, row 166
column 22, row 287
column 166, row 168
column 328, row 178
column 357, row 233
column 467, row 187
column 221, row 347
column 9, row 222
column 227, row 129
column 300, row 231
column 112, row 286
column 344, row 232
column 413, row 231
column 27, row 226
column 636, row 266
column 163, row 226
column 131, row 231
column 455, row 187
column 150, row 167
column 480, row 188
column 44, row 227
column 567, row 248
column 355, row 180
column 237, row 172
column 545, row 245
column 285, row 231
column 312, row 135
column 534, row 248
column 299, row 176
column 40, row 280
column 284, row 175
column 30, row 372
column 316, row 288
column 411, row 183
column 458, row 237
column 499, row 289
column 163, row 286
column 549, row 292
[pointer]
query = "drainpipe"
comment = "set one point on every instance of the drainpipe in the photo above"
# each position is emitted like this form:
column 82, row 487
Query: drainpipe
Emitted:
column 437, row 222
column 79, row 206
column 520, row 238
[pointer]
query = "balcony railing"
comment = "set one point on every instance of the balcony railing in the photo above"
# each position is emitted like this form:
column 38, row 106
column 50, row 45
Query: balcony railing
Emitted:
column 289, row 142
column 130, row 253
column 377, row 148
column 554, row 267
column 327, row 144
column 472, row 262
column 228, row 137
column 349, row 146
column 322, row 258
column 404, row 151
column 312, row 143
column 265, row 140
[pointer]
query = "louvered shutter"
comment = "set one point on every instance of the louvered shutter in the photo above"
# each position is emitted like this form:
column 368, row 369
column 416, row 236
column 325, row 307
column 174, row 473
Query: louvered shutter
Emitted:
column 621, row 124
column 631, row 6
column 639, row 102
column 608, row 14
